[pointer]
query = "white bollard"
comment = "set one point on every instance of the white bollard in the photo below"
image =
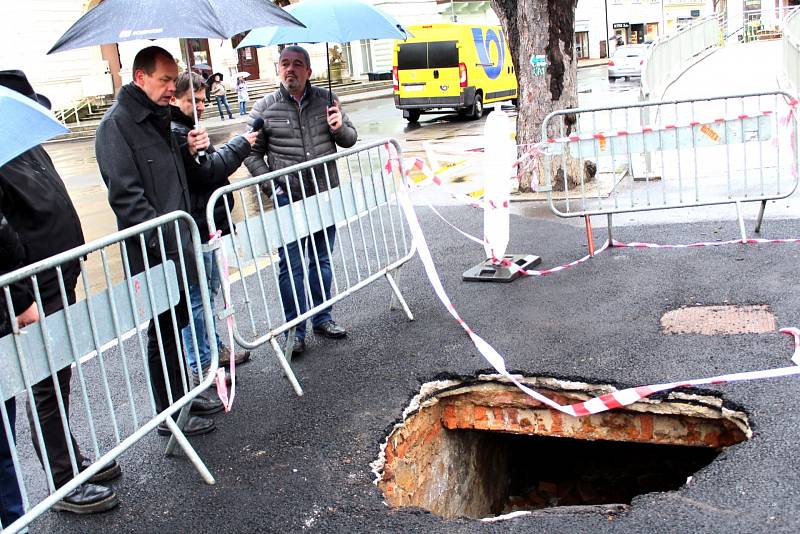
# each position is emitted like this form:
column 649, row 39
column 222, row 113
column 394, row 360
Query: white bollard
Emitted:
column 500, row 152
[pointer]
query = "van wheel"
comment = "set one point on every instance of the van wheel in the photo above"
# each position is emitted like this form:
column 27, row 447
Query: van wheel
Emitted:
column 412, row 115
column 515, row 102
column 477, row 108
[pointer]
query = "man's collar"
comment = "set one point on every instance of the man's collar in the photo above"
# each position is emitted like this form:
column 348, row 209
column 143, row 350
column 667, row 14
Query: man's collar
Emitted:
column 291, row 96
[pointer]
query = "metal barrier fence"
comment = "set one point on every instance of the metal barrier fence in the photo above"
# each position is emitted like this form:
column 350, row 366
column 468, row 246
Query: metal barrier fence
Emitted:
column 364, row 237
column 791, row 49
column 93, row 322
column 671, row 55
column 662, row 155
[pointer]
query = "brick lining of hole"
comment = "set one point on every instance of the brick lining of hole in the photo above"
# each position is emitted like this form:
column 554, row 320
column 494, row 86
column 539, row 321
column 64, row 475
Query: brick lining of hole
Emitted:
column 716, row 320
column 413, row 470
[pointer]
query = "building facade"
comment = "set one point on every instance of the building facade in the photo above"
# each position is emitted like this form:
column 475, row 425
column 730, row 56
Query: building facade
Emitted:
column 31, row 27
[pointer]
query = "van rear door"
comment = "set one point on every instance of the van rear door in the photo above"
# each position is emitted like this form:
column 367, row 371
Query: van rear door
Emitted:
column 428, row 70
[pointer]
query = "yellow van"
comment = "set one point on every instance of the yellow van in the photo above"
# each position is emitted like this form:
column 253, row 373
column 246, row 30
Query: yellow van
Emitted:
column 452, row 66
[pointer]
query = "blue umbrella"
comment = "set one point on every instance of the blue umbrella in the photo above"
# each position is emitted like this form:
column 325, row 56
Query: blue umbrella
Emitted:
column 325, row 21
column 25, row 124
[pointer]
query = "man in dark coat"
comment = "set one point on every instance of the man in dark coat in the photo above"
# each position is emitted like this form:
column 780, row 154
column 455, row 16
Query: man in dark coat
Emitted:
column 145, row 171
column 39, row 221
column 299, row 125
column 212, row 174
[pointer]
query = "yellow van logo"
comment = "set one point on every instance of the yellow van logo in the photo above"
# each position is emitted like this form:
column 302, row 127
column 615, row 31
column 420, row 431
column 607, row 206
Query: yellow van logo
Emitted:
column 483, row 48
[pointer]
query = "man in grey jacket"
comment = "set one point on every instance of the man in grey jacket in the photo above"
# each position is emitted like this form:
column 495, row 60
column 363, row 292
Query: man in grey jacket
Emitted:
column 300, row 125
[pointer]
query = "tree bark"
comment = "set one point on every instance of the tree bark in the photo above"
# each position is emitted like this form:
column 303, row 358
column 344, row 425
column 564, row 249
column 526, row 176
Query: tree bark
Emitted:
column 536, row 27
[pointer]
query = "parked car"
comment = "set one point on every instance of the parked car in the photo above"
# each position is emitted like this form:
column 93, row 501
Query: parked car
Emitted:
column 627, row 62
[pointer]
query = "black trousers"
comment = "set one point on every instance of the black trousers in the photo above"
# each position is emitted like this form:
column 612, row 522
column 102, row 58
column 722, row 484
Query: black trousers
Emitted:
column 173, row 352
column 44, row 395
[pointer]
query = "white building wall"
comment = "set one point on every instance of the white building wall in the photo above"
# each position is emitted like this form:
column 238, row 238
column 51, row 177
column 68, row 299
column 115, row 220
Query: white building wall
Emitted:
column 28, row 29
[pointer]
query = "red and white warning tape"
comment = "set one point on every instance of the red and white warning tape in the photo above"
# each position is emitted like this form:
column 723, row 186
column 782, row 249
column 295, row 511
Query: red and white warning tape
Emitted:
column 222, row 386
column 605, row 402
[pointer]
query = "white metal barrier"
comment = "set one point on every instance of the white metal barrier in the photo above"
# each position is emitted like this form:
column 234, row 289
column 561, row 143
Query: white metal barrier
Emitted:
column 791, row 50
column 100, row 334
column 671, row 55
column 348, row 217
column 662, row 155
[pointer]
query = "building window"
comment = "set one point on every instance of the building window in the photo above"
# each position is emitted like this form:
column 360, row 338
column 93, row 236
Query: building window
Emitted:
column 348, row 57
column 366, row 55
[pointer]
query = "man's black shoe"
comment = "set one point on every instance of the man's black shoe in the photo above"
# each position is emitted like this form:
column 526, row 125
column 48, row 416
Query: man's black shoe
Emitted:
column 110, row 471
column 330, row 330
column 88, row 499
column 195, row 426
column 299, row 347
column 206, row 405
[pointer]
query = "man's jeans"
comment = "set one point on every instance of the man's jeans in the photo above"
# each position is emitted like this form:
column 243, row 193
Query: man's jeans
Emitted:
column 297, row 259
column 10, row 498
column 220, row 101
column 213, row 281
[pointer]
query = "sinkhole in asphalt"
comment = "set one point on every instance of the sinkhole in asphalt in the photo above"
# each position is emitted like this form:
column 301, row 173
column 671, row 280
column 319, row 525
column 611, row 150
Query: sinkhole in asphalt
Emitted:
column 482, row 448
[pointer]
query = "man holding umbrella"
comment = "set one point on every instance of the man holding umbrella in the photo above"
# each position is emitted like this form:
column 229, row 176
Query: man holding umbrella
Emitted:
column 300, row 125
column 145, row 169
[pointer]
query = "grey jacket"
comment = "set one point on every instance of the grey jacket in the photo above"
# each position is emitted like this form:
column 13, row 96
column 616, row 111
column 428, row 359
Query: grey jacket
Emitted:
column 144, row 169
column 293, row 134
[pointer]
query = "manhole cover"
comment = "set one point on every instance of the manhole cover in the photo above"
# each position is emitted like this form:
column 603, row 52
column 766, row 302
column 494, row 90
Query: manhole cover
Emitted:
column 483, row 448
column 715, row 320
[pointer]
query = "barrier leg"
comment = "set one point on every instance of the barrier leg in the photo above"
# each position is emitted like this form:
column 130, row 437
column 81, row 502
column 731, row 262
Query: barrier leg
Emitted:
column 740, row 216
column 183, row 416
column 285, row 364
column 399, row 296
column 177, row 436
column 760, row 216
column 610, row 230
column 589, row 235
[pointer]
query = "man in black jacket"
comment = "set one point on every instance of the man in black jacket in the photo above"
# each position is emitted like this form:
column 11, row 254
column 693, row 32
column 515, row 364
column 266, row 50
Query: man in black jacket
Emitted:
column 218, row 164
column 145, row 171
column 299, row 125
column 40, row 221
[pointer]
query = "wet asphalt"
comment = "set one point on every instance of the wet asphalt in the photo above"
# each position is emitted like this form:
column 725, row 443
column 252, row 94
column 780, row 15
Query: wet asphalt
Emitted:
column 301, row 464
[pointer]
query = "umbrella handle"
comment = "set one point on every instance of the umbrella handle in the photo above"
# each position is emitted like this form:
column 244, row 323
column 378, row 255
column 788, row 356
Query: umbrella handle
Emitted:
column 330, row 91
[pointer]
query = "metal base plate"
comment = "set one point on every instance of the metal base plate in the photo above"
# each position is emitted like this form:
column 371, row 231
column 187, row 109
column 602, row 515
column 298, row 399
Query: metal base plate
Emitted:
column 486, row 272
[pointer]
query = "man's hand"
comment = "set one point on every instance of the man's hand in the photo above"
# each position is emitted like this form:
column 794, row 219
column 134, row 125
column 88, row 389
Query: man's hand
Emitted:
column 334, row 117
column 197, row 140
column 251, row 137
column 29, row 316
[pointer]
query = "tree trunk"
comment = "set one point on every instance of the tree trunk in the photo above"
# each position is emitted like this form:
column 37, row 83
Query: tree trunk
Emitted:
column 543, row 27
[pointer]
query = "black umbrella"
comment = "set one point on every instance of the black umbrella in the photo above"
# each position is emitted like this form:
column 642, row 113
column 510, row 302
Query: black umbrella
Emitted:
column 115, row 21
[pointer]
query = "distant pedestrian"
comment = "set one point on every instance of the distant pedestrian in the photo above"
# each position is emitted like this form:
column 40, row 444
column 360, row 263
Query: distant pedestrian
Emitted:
column 242, row 95
column 219, row 93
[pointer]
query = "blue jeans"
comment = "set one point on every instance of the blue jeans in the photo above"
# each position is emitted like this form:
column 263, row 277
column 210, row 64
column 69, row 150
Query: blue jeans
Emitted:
column 242, row 108
column 10, row 498
column 223, row 100
column 297, row 252
column 213, row 281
